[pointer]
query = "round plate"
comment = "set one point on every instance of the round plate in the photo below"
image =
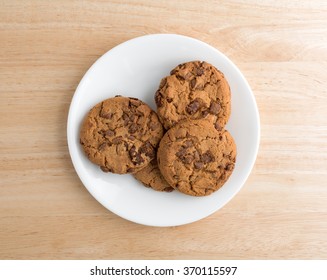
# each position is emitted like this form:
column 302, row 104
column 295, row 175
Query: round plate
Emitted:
column 135, row 69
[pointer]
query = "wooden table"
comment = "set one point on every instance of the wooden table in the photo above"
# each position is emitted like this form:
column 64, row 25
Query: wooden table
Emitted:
column 46, row 47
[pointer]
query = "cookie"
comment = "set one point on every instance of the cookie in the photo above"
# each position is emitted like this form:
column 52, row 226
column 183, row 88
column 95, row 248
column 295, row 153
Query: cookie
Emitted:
column 195, row 158
column 151, row 177
column 121, row 135
column 194, row 90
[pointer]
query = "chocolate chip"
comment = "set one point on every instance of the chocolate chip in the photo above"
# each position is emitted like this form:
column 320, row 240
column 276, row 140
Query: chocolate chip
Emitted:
column 193, row 107
column 110, row 132
column 117, row 140
column 220, row 138
column 131, row 137
column 133, row 128
column 199, row 71
column 198, row 164
column 207, row 157
column 200, row 86
column 218, row 127
column 106, row 115
column 132, row 152
column 181, row 153
column 163, row 82
column 187, row 159
column 184, row 75
column 192, row 83
column 169, row 100
column 134, row 102
column 168, row 189
column 105, row 169
column 135, row 156
column 214, row 108
column 148, row 150
column 229, row 167
column 158, row 99
column 188, row 143
column 102, row 146
column 205, row 113
column 138, row 159
column 172, row 72
column 118, row 95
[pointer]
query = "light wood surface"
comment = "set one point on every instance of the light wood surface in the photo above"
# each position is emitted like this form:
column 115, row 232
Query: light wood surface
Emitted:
column 46, row 47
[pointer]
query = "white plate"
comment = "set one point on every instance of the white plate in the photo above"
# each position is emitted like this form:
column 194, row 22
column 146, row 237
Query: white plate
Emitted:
column 135, row 69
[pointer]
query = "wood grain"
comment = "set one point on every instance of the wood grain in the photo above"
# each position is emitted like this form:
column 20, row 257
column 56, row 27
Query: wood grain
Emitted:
column 46, row 47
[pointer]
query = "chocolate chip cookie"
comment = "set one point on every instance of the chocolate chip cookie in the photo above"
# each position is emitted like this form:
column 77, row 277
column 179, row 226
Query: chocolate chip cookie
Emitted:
column 151, row 177
column 195, row 158
column 194, row 90
column 121, row 135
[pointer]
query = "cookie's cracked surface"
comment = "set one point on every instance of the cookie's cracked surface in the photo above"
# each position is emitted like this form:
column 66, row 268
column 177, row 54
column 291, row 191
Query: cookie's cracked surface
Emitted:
column 194, row 90
column 151, row 177
column 121, row 135
column 195, row 158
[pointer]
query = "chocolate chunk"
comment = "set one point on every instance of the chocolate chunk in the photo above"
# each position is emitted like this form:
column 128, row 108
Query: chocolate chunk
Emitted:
column 148, row 150
column 158, row 99
column 214, row 108
column 110, row 132
column 218, row 127
column 135, row 156
column 163, row 82
column 198, row 164
column 134, row 102
column 106, row 115
column 133, row 128
column 193, row 107
column 105, row 169
column 188, row 143
column 199, row 71
column 229, row 167
column 184, row 75
column 117, row 140
column 207, row 157
column 102, row 146
column 132, row 151
column 187, row 159
column 181, row 153
column 138, row 159
column 184, row 157
column 205, row 113
column 193, row 83
column 172, row 72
